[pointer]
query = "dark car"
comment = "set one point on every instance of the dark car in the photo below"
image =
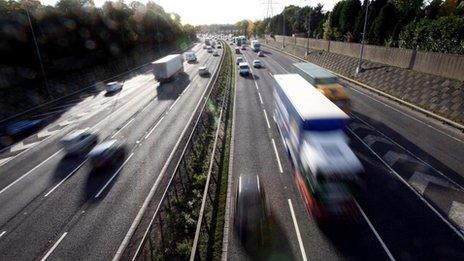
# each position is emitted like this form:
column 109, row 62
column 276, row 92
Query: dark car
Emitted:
column 107, row 154
column 251, row 217
column 22, row 127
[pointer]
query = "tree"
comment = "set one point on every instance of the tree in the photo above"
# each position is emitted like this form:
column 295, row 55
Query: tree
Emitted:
column 384, row 24
column 328, row 32
column 445, row 34
column 432, row 10
column 348, row 14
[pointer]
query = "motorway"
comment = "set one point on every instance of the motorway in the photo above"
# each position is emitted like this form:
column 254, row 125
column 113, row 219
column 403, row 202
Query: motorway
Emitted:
column 57, row 208
column 412, row 208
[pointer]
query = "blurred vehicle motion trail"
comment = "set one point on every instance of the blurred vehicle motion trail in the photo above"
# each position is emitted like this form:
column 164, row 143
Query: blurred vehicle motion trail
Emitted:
column 173, row 130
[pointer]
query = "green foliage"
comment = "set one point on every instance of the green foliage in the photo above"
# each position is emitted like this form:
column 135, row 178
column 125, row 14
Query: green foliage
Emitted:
column 348, row 15
column 445, row 34
column 384, row 24
column 76, row 28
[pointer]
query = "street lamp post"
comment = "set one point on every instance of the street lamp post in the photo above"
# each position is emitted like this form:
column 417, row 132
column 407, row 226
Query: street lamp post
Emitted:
column 283, row 30
column 38, row 55
column 359, row 69
column 309, row 33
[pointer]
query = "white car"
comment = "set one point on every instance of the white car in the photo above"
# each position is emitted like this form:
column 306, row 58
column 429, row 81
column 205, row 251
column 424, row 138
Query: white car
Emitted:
column 203, row 71
column 190, row 57
column 244, row 69
column 257, row 64
column 78, row 142
column 215, row 53
column 113, row 87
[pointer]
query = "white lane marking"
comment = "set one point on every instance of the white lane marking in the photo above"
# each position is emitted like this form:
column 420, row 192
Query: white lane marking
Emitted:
column 29, row 172
column 149, row 197
column 45, row 133
column 54, row 246
column 410, row 153
column 260, row 98
column 144, row 108
column 384, row 246
column 391, row 157
column 298, row 235
column 3, row 233
column 114, row 175
column 154, row 127
column 267, row 120
column 456, row 213
column 277, row 156
column 270, row 74
column 420, row 181
column 21, row 146
column 125, row 125
column 4, row 160
column 447, row 222
column 174, row 103
column 355, row 125
column 409, row 116
column 66, row 178
column 371, row 139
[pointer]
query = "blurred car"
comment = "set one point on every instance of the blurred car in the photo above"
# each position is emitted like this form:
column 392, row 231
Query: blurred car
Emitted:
column 203, row 71
column 251, row 216
column 78, row 142
column 237, row 50
column 231, row 43
column 244, row 69
column 215, row 53
column 107, row 154
column 113, row 87
column 260, row 54
column 243, row 47
column 205, row 46
column 257, row 64
column 219, row 46
column 239, row 60
column 209, row 49
column 23, row 127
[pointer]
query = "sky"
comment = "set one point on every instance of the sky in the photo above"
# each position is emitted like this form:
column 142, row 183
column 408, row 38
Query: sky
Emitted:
column 221, row 11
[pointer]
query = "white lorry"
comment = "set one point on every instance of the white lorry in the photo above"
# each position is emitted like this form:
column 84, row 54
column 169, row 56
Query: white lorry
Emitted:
column 165, row 68
column 255, row 45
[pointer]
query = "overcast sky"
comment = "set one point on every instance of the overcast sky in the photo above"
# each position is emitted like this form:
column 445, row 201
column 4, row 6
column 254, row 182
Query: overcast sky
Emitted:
column 221, row 11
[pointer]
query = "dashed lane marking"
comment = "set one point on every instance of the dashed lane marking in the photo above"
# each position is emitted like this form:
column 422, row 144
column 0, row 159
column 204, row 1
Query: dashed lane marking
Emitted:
column 298, row 235
column 371, row 139
column 420, row 181
column 54, row 246
column 391, row 157
column 456, row 214
column 21, row 146
column 277, row 156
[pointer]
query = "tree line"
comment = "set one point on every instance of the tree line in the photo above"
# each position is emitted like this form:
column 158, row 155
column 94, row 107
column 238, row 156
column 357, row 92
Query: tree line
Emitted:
column 77, row 28
column 434, row 25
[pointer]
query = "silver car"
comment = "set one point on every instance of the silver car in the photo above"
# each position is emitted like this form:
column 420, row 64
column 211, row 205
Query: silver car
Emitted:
column 78, row 142
column 113, row 87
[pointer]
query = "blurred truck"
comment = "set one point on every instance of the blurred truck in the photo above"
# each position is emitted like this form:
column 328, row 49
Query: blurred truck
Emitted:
column 328, row 173
column 165, row 68
column 255, row 45
column 326, row 82
column 207, row 41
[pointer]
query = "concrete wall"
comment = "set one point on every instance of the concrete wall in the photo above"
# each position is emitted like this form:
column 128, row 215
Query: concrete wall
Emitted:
column 445, row 65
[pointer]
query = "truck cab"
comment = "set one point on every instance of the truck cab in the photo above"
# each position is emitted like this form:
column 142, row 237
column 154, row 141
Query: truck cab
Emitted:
column 325, row 82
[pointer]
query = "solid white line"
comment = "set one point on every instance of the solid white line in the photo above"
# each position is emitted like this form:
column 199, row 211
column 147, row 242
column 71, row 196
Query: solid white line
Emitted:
column 3, row 233
column 267, row 120
column 174, row 103
column 29, row 172
column 412, row 154
column 409, row 116
column 277, row 156
column 298, row 235
column 144, row 108
column 154, row 127
column 260, row 99
column 54, row 246
column 66, row 178
column 447, row 222
column 114, row 175
column 125, row 125
column 375, row 232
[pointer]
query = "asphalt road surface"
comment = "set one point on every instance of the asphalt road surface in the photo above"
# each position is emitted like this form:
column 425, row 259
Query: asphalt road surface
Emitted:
column 411, row 209
column 57, row 208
